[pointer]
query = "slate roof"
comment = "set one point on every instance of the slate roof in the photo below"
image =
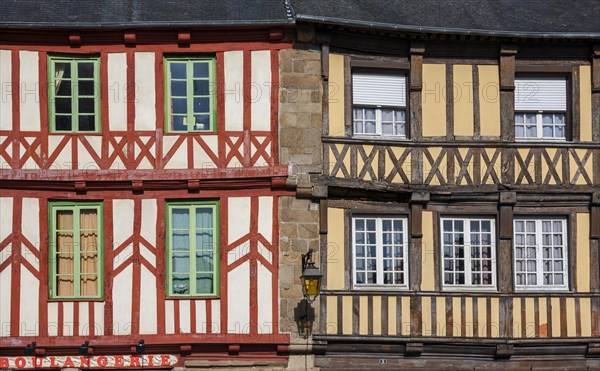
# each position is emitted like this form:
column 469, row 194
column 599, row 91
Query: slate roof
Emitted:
column 140, row 13
column 524, row 18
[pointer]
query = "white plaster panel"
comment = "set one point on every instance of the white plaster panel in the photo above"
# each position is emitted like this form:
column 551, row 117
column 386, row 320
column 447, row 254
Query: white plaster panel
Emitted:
column 264, row 252
column 265, row 302
column 148, row 227
column 53, row 319
column 238, row 252
column 121, row 257
column 85, row 161
column 145, row 91
column 261, row 90
column 148, row 310
column 64, row 160
column 201, row 159
column 233, row 63
column 30, row 90
column 216, row 316
column 6, row 90
column 6, row 294
column 144, row 163
column 84, row 318
column 238, row 300
column 117, row 91
column 6, row 217
column 30, row 257
column 29, row 304
column 239, row 218
column 179, row 158
column 122, row 301
column 3, row 163
column 99, row 318
column 265, row 217
column 68, row 318
column 148, row 255
column 169, row 317
column 184, row 316
column 30, row 221
column 201, row 316
column 122, row 220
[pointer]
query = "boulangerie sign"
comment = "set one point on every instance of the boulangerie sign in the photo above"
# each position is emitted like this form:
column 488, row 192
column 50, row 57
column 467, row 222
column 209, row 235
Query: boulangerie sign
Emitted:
column 92, row 362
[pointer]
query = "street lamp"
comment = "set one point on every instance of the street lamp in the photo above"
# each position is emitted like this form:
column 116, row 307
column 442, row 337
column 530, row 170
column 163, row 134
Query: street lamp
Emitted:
column 311, row 277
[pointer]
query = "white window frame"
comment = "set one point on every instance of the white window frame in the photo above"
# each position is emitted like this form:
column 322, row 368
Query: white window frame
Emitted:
column 467, row 255
column 539, row 254
column 525, row 97
column 379, row 252
column 381, row 107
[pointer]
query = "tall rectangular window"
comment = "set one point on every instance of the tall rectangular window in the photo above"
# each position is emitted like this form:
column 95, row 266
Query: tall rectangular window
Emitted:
column 379, row 104
column 76, row 251
column 540, row 253
column 190, row 103
column 540, row 107
column 193, row 248
column 380, row 247
column 469, row 252
column 74, row 93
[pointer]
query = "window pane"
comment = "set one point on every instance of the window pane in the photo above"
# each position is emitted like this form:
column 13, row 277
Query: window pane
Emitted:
column 204, row 283
column 204, row 217
column 179, row 123
column 62, row 105
column 178, row 70
column 62, row 70
column 181, row 284
column 63, row 88
column 181, row 262
column 387, row 129
column 370, row 127
column 87, row 123
column 201, row 105
column 201, row 87
column 200, row 69
column 85, row 70
column 179, row 105
column 86, row 87
column 178, row 88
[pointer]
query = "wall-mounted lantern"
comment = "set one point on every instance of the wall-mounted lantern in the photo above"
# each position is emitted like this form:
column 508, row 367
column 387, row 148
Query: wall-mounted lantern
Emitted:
column 311, row 277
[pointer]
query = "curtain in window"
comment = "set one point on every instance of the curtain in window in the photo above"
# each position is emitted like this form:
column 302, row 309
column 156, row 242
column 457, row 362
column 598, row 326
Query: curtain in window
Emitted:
column 181, row 250
column 59, row 71
column 88, row 229
column 64, row 253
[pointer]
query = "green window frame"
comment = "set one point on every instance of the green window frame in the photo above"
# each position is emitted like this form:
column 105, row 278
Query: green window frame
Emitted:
column 190, row 94
column 192, row 248
column 74, row 94
column 84, row 247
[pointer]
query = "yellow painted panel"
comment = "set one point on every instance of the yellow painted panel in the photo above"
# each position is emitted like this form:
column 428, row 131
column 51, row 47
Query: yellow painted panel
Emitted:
column 463, row 99
column 469, row 316
column 427, row 263
column 555, row 306
column 496, row 165
column 523, row 152
column 495, row 317
column 363, row 317
column 583, row 252
column 392, row 315
column 482, row 316
column 426, row 323
column 361, row 163
column 543, row 311
column 331, row 327
column 585, row 316
column 489, row 100
column 517, row 320
column 336, row 95
column 585, row 103
column 442, row 168
column 405, row 315
column 456, row 317
column 434, row 100
column 347, row 315
column 335, row 246
column 587, row 166
column 440, row 308
column 545, row 167
column 376, row 315
column 529, row 317
column 470, row 170
column 391, row 163
column 571, row 317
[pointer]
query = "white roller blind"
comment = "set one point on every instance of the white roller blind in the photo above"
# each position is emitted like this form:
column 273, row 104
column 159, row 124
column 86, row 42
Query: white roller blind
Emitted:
column 379, row 89
column 541, row 94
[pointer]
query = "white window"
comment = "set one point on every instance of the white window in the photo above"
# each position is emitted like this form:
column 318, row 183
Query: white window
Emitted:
column 540, row 253
column 380, row 247
column 379, row 104
column 540, row 107
column 469, row 252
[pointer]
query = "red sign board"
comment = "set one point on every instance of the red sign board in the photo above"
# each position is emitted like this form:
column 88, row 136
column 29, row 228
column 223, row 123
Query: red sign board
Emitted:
column 89, row 362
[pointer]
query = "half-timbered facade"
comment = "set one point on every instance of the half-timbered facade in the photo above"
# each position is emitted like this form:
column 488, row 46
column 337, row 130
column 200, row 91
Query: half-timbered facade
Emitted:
column 460, row 220
column 140, row 184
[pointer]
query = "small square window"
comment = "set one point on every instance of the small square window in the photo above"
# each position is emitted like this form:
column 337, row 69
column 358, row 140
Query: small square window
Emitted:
column 379, row 104
column 190, row 102
column 540, row 108
column 74, row 94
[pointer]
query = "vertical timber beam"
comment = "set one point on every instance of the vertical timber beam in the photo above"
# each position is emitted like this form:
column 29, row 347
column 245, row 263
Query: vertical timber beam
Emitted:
column 595, row 243
column 417, row 49
column 507, row 108
column 504, row 261
column 596, row 93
